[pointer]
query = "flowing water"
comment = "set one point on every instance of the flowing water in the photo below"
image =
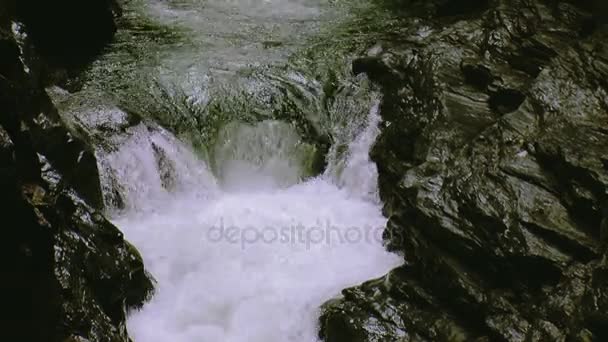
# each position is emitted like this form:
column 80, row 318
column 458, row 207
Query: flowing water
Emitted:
column 253, row 260
column 216, row 178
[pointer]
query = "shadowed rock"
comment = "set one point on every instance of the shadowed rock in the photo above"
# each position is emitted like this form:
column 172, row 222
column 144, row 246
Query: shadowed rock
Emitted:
column 68, row 33
column 67, row 272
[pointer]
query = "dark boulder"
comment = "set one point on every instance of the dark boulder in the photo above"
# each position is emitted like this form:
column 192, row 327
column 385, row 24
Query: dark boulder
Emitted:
column 28, row 113
column 67, row 273
column 492, row 165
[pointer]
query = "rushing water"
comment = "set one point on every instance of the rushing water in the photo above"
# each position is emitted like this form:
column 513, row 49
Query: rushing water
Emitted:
column 255, row 262
column 220, row 188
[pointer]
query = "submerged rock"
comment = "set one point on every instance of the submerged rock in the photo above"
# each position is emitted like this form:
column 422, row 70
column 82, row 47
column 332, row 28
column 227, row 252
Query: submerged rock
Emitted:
column 493, row 162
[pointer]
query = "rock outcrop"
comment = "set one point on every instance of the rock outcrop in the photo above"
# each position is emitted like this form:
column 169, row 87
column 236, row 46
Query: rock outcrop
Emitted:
column 68, row 33
column 68, row 273
column 493, row 164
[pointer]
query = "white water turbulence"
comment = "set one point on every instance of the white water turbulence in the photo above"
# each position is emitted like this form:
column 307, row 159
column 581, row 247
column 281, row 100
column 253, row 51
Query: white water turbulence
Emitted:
column 254, row 263
column 149, row 168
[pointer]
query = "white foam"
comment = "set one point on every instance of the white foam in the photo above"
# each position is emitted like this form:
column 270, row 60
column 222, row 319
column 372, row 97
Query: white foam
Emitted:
column 133, row 169
column 238, row 289
column 359, row 174
column 256, row 265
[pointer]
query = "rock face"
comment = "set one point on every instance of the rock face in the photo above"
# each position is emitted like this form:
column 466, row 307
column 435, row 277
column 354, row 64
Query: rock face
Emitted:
column 68, row 274
column 68, row 33
column 493, row 166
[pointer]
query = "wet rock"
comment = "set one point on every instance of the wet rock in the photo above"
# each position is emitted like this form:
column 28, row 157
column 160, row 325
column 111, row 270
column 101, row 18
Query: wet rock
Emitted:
column 166, row 167
column 73, row 157
column 506, row 100
column 491, row 163
column 67, row 272
column 31, row 115
column 100, row 275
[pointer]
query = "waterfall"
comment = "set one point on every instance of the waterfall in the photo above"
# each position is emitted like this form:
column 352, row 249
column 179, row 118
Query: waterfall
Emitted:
column 247, row 262
column 211, row 121
column 148, row 167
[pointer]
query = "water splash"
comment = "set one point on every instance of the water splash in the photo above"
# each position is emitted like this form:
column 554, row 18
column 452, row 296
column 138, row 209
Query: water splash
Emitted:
column 355, row 171
column 269, row 154
column 255, row 265
column 147, row 168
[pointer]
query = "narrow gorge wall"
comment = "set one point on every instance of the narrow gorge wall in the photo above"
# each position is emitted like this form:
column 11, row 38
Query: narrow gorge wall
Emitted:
column 67, row 274
column 493, row 167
